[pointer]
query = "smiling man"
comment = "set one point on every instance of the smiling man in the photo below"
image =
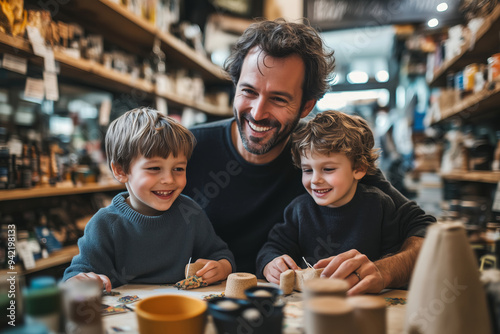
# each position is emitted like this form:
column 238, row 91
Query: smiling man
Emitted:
column 267, row 105
column 241, row 171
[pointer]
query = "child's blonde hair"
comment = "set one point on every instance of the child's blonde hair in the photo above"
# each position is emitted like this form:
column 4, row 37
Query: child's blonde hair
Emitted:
column 144, row 131
column 336, row 132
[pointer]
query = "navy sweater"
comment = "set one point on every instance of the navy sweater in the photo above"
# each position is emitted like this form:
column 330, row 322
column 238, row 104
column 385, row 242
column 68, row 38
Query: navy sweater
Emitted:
column 129, row 247
column 369, row 223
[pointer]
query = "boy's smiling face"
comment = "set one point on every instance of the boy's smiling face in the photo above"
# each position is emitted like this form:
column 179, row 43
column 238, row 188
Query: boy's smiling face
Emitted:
column 329, row 179
column 153, row 183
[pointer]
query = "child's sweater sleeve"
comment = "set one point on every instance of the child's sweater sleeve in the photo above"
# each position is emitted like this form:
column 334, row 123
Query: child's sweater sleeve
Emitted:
column 283, row 239
column 96, row 250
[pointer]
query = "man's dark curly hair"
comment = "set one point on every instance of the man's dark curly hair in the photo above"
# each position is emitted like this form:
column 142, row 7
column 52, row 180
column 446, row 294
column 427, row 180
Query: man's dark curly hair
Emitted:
column 280, row 39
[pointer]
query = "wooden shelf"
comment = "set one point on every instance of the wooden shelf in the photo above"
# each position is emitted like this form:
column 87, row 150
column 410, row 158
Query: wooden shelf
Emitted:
column 65, row 255
column 473, row 176
column 98, row 75
column 486, row 38
column 474, row 104
column 58, row 190
column 124, row 28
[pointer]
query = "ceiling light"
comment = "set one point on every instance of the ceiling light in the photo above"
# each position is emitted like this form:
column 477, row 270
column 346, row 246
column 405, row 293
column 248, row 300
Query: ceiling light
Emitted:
column 433, row 23
column 443, row 6
column 382, row 76
column 357, row 77
column 335, row 80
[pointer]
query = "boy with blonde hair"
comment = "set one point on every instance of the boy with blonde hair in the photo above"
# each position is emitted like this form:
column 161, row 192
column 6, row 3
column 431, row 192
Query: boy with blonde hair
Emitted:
column 335, row 151
column 149, row 233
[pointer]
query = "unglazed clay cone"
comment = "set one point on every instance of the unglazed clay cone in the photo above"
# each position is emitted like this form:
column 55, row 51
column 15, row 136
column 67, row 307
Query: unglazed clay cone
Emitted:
column 287, row 281
column 369, row 314
column 237, row 283
column 445, row 294
column 316, row 287
column 326, row 315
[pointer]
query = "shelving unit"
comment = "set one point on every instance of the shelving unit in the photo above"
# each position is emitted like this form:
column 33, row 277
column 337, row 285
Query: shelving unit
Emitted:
column 473, row 176
column 58, row 190
column 476, row 103
column 475, row 109
column 478, row 52
column 124, row 28
column 120, row 25
column 65, row 255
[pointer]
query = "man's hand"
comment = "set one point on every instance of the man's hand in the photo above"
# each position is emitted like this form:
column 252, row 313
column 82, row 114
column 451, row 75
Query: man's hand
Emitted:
column 214, row 271
column 101, row 279
column 362, row 274
column 273, row 269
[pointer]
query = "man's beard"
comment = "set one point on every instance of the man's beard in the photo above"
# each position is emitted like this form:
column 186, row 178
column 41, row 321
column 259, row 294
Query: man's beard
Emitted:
column 277, row 138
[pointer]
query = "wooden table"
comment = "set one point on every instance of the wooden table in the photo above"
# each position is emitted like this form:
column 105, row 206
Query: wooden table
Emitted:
column 293, row 310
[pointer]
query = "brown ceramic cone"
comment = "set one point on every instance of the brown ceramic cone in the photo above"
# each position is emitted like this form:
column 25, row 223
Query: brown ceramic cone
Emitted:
column 287, row 281
column 317, row 287
column 445, row 294
column 369, row 314
column 326, row 315
column 237, row 283
column 193, row 268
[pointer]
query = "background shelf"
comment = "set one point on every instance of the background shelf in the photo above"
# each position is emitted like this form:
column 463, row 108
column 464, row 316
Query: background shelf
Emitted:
column 58, row 190
column 477, row 53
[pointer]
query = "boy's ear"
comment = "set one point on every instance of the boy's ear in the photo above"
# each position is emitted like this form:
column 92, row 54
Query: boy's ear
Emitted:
column 118, row 173
column 308, row 106
column 359, row 173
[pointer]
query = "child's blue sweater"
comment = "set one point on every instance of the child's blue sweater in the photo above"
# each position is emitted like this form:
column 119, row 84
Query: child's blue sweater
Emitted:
column 129, row 247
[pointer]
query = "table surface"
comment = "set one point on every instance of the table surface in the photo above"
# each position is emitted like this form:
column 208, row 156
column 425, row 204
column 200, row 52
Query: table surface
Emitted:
column 293, row 310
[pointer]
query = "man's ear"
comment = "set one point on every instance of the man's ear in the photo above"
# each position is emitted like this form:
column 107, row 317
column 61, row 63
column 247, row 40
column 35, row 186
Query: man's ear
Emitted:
column 308, row 106
column 118, row 173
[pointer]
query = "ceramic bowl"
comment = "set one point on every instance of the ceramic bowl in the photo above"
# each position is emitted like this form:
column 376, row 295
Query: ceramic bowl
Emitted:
column 171, row 314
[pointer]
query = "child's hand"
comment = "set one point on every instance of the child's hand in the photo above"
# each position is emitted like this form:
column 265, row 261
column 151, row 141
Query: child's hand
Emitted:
column 273, row 269
column 101, row 279
column 214, row 271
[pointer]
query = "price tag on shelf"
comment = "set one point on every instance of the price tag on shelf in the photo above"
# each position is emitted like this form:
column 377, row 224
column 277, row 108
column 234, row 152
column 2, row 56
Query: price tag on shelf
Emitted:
column 15, row 63
column 51, row 87
column 496, row 200
column 37, row 41
column 49, row 61
column 161, row 105
column 104, row 112
column 34, row 89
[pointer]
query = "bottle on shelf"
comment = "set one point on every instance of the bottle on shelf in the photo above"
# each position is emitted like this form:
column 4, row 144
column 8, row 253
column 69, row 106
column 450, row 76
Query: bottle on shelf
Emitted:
column 495, row 166
column 4, row 160
column 481, row 153
column 35, row 165
column 26, row 172
column 13, row 175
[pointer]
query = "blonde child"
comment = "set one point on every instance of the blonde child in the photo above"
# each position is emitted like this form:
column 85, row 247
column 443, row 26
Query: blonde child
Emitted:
column 149, row 233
